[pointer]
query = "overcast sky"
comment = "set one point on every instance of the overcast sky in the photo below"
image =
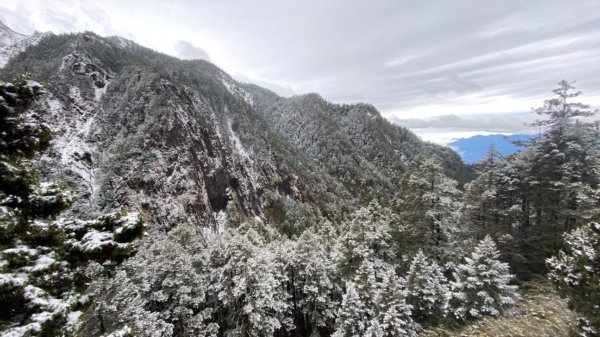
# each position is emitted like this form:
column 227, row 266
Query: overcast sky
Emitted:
column 425, row 64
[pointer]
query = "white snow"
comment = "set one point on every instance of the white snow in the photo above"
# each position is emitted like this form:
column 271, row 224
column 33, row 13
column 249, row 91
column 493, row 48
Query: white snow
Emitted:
column 246, row 159
column 122, row 42
column 13, row 279
column 236, row 90
column 12, row 43
column 54, row 105
column 124, row 331
column 51, row 307
column 98, row 92
column 128, row 222
column 94, row 240
column 221, row 218
column 42, row 263
column 70, row 137
column 73, row 317
column 21, row 249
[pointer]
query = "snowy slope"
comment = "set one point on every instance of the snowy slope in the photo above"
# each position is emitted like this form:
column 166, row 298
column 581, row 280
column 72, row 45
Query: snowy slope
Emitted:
column 12, row 43
column 182, row 141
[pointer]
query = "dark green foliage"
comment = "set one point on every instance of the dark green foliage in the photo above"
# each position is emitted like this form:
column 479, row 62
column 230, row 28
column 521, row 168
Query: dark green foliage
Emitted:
column 529, row 199
column 428, row 207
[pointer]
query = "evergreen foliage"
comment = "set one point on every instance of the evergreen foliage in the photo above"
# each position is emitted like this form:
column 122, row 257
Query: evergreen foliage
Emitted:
column 46, row 264
column 576, row 273
column 277, row 216
column 375, row 306
column 481, row 284
column 529, row 199
column 428, row 290
column 428, row 206
column 365, row 237
column 312, row 284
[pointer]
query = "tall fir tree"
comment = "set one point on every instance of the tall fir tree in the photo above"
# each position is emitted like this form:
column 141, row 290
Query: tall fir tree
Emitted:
column 428, row 290
column 529, row 199
column 428, row 205
column 312, row 284
column 352, row 319
column 393, row 314
column 481, row 284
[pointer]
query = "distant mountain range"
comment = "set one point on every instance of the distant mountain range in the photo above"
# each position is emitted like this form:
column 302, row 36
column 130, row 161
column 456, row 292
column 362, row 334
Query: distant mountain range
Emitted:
column 474, row 149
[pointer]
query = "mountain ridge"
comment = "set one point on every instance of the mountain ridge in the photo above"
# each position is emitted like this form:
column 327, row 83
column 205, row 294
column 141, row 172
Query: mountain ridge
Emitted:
column 474, row 149
column 111, row 98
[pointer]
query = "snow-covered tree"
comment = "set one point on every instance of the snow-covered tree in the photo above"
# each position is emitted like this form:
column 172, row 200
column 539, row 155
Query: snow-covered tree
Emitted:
column 575, row 272
column 352, row 319
column 529, row 199
column 365, row 237
column 163, row 291
column 44, row 262
column 481, row 284
column 375, row 304
column 428, row 206
column 482, row 205
column 563, row 175
column 249, row 281
column 428, row 290
column 393, row 314
column 311, row 276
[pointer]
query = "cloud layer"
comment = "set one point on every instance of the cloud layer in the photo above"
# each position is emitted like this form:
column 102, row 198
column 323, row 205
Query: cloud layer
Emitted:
column 412, row 60
column 187, row 51
column 494, row 123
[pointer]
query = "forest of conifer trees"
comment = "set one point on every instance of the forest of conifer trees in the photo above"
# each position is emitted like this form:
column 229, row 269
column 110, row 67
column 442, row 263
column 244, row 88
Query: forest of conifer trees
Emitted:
column 437, row 254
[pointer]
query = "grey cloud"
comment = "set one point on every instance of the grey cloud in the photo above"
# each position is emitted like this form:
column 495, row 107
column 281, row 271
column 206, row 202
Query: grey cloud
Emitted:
column 396, row 55
column 17, row 20
column 188, row 51
column 345, row 57
column 501, row 123
column 281, row 90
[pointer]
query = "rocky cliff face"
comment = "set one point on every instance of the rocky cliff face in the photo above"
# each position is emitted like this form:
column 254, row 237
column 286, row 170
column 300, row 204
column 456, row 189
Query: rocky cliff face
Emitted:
column 182, row 141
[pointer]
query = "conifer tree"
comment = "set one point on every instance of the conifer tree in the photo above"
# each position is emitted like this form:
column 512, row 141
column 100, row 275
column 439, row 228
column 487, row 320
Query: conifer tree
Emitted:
column 428, row 207
column 562, row 177
column 531, row 198
column 164, row 291
column 249, row 282
column 352, row 318
column 428, row 290
column 393, row 315
column 312, row 284
column 365, row 237
column 481, row 284
column 44, row 262
column 575, row 272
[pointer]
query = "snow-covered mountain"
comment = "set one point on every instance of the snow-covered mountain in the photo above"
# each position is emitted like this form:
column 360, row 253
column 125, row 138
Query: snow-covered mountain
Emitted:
column 183, row 141
column 209, row 207
column 12, row 43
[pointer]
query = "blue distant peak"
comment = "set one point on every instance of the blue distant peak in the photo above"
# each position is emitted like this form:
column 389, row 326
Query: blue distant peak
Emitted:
column 474, row 149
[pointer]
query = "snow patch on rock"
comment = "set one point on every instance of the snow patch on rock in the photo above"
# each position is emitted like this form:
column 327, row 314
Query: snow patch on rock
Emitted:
column 237, row 91
column 221, row 218
column 70, row 138
column 245, row 156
